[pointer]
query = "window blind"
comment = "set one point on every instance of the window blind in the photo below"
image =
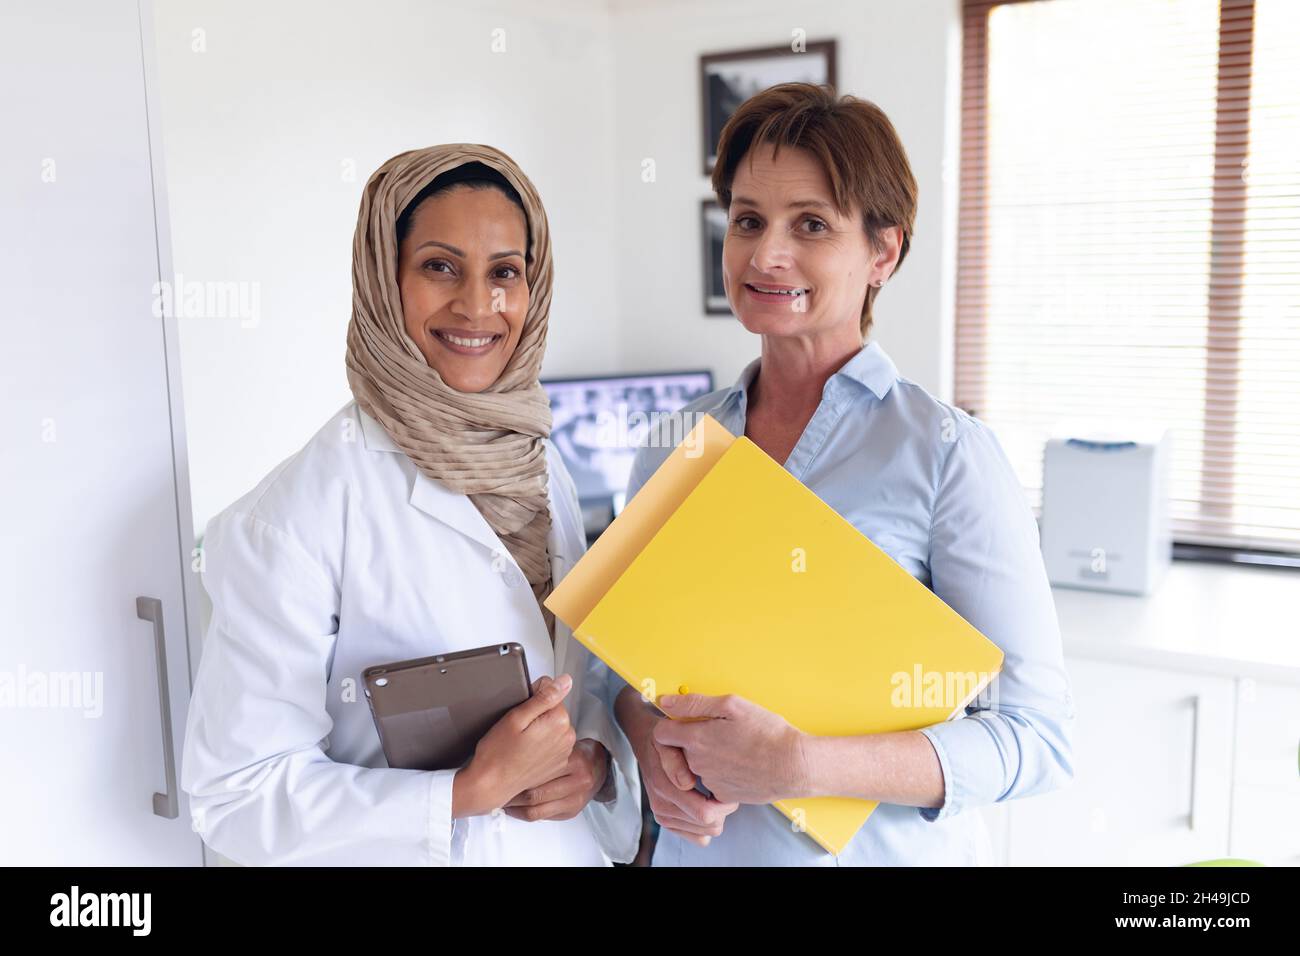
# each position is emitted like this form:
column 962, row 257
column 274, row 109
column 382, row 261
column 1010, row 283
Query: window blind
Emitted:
column 1129, row 242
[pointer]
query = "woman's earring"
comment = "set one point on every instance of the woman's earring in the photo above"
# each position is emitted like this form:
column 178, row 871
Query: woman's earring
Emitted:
column 878, row 283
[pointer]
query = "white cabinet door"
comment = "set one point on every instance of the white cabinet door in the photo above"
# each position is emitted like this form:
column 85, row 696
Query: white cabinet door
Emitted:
column 88, row 478
column 1266, row 781
column 1153, row 764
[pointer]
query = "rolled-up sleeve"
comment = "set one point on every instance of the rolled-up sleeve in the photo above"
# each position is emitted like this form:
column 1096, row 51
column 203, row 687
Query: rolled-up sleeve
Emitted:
column 262, row 790
column 1015, row 740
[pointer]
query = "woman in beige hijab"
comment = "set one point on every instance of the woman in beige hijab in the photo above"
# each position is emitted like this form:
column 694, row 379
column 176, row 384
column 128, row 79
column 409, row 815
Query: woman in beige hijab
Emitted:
column 430, row 515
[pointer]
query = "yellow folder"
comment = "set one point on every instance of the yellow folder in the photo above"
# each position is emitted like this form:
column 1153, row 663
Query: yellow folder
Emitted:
column 726, row 575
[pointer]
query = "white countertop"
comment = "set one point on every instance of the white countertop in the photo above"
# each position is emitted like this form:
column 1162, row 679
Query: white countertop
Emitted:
column 1226, row 619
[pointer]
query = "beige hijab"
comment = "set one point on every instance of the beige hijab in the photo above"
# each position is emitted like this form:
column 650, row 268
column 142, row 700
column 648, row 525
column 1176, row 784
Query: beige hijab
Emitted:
column 487, row 445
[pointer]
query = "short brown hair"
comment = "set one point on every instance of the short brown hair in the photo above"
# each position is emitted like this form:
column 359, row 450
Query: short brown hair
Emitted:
column 855, row 143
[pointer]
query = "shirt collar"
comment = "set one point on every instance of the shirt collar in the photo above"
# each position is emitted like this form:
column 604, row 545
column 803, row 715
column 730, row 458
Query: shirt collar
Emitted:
column 871, row 367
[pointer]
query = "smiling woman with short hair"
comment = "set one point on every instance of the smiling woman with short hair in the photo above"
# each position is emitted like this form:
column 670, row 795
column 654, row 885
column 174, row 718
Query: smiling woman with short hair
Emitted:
column 821, row 201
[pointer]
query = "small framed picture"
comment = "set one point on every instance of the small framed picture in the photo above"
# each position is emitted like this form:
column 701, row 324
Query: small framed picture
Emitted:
column 728, row 79
column 713, row 229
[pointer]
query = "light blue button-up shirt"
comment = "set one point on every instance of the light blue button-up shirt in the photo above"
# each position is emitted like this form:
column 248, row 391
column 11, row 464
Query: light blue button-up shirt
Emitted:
column 932, row 487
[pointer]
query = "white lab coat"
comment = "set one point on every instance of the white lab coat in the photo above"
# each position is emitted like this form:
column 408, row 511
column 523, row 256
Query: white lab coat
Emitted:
column 343, row 557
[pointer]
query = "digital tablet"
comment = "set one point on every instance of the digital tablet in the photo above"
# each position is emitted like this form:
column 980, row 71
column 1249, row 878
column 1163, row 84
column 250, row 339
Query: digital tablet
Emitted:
column 431, row 711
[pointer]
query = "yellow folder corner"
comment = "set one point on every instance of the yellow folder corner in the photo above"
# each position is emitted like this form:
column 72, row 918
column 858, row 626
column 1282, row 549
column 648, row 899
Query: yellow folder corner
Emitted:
column 727, row 575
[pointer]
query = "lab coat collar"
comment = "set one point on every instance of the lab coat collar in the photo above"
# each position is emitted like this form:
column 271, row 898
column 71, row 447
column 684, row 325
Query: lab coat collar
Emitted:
column 374, row 434
column 458, row 512
column 455, row 509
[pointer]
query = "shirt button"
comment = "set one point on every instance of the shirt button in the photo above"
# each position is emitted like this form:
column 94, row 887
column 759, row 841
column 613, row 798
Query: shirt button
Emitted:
column 514, row 578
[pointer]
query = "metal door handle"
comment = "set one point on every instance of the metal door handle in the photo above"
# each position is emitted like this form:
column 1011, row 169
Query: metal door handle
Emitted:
column 150, row 609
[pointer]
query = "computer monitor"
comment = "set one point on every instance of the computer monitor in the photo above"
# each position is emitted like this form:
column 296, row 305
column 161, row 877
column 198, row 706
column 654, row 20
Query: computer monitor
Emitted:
column 598, row 423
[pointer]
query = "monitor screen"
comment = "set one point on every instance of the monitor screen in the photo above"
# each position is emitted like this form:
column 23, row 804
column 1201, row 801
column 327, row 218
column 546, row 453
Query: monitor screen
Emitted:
column 599, row 423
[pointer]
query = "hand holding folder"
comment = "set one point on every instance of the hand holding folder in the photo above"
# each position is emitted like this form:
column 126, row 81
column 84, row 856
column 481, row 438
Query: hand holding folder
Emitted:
column 725, row 575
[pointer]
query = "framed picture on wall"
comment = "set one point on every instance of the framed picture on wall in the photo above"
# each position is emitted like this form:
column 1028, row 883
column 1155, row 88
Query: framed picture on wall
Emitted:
column 713, row 228
column 728, row 79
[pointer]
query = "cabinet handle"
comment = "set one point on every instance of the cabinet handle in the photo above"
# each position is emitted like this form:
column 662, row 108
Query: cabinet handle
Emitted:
column 1196, row 729
column 150, row 609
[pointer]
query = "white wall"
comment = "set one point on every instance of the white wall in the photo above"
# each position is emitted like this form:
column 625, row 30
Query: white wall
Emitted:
column 258, row 127
column 256, row 131
column 901, row 54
